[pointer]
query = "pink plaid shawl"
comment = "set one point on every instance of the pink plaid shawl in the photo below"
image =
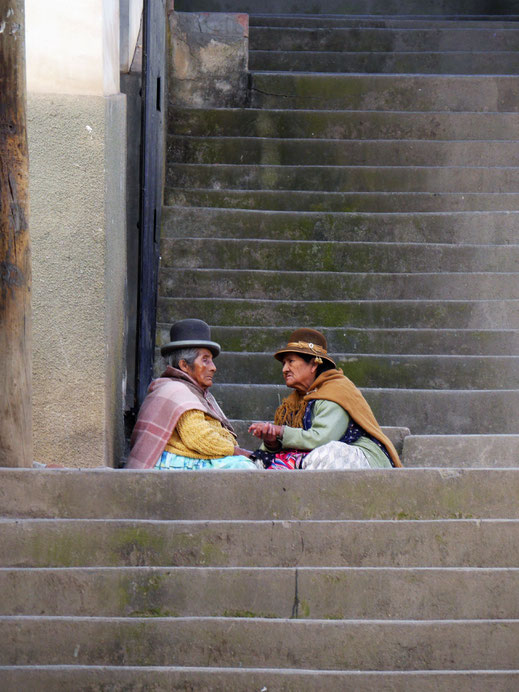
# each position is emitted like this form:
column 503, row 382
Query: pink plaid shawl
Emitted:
column 169, row 396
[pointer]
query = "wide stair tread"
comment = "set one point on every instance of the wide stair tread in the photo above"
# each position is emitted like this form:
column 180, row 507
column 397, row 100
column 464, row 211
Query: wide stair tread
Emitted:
column 337, row 256
column 176, row 679
column 384, row 92
column 387, row 201
column 375, row 340
column 347, row 124
column 386, row 313
column 339, row 152
column 133, row 578
column 454, row 38
column 411, row 8
column 479, row 228
column 381, row 21
column 461, row 49
column 316, row 178
column 404, row 62
column 325, row 598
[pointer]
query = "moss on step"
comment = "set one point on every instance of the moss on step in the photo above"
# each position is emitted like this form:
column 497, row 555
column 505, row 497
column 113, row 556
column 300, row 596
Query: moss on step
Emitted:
column 137, row 546
column 229, row 613
column 304, row 609
column 153, row 613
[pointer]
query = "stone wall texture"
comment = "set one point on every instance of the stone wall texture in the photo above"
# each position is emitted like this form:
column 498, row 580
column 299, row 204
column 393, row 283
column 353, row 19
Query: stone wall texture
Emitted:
column 208, row 54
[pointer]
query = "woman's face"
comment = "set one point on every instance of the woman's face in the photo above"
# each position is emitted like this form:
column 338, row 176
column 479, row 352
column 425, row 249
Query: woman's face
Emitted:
column 298, row 373
column 203, row 368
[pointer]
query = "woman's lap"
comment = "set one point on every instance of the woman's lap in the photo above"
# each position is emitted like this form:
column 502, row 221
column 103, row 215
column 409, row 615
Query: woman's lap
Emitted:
column 333, row 455
column 336, row 455
column 174, row 462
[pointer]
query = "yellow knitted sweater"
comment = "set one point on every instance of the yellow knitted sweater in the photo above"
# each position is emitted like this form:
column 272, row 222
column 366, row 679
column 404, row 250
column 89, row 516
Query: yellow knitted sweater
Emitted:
column 198, row 436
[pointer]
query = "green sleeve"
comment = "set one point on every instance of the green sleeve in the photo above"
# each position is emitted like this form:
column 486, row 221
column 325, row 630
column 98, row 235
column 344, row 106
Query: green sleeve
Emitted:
column 329, row 422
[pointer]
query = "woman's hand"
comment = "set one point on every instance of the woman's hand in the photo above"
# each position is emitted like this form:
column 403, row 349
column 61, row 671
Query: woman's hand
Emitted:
column 268, row 432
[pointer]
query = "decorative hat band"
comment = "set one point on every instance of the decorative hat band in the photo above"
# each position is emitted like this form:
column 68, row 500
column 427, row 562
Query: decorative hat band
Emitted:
column 303, row 344
column 302, row 341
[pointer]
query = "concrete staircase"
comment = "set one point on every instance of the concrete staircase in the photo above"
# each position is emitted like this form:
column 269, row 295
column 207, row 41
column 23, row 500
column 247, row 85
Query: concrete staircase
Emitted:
column 361, row 581
column 380, row 207
column 371, row 190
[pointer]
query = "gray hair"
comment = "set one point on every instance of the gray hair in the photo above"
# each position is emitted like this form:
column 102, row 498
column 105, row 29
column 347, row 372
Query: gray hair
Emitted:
column 187, row 354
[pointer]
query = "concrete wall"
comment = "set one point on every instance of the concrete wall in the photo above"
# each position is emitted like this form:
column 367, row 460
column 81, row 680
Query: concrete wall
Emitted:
column 130, row 22
column 131, row 86
column 208, row 59
column 72, row 47
column 77, row 151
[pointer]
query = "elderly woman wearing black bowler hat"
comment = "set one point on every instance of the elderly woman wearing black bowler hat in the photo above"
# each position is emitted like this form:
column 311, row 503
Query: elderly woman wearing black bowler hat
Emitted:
column 180, row 426
column 325, row 423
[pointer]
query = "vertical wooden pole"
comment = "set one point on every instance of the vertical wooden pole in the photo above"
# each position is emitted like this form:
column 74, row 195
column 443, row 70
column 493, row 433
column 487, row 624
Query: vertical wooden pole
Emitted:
column 15, row 262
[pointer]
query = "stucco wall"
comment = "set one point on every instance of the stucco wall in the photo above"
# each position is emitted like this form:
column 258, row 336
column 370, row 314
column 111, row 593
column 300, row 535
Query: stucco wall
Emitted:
column 77, row 178
column 130, row 18
column 116, row 278
column 72, row 47
column 77, row 155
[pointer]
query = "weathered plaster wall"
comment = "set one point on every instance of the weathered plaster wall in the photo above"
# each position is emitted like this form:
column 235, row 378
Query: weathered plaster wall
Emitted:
column 130, row 19
column 72, row 47
column 116, row 279
column 208, row 56
column 78, row 233
column 131, row 86
column 77, row 152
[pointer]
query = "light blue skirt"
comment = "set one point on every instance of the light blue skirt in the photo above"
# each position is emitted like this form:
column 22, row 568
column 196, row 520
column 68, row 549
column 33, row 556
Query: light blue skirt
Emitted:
column 174, row 462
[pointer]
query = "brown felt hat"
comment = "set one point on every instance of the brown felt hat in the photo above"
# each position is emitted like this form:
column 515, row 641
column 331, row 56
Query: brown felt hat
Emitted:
column 308, row 341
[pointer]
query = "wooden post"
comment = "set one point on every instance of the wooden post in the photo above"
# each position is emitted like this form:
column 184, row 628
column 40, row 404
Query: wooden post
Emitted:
column 15, row 262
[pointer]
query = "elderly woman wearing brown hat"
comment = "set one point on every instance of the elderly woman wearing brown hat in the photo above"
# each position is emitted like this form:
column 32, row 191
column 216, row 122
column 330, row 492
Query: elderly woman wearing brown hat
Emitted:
column 180, row 425
column 325, row 422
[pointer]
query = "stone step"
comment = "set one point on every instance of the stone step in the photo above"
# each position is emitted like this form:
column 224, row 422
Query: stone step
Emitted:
column 342, row 593
column 460, row 342
column 346, row 124
column 178, row 679
column 391, row 371
column 452, row 37
column 423, row 411
column 381, row 202
column 328, row 286
column 293, row 21
column 486, row 451
column 384, row 92
column 399, row 371
column 354, row 7
column 498, row 227
column 259, row 642
column 435, row 314
column 312, row 178
column 411, row 494
column 337, row 256
column 437, row 63
column 271, row 543
column 247, row 441
column 336, row 152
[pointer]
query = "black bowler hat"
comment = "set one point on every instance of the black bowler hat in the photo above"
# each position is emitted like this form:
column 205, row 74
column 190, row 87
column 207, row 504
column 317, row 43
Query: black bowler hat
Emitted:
column 190, row 334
